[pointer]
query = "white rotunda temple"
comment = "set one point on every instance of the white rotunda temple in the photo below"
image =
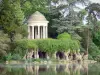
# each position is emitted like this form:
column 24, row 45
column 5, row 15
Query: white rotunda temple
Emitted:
column 37, row 26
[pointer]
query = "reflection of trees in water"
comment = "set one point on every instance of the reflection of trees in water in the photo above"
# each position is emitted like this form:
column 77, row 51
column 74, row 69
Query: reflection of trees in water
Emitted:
column 94, row 69
column 12, row 71
column 64, row 69
column 2, row 71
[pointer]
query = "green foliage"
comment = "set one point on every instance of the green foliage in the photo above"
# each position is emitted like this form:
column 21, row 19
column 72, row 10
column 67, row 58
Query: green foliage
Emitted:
column 11, row 17
column 20, row 47
column 94, row 51
column 66, row 24
column 53, row 45
column 4, row 45
column 63, row 21
column 8, row 57
column 82, row 13
column 97, row 58
column 46, row 45
column 76, row 36
column 37, row 60
column 27, row 7
column 16, row 57
column 18, row 37
column 31, row 44
column 90, row 57
column 93, row 21
column 74, row 46
column 22, row 30
column 12, row 14
column 30, row 6
column 63, row 45
column 12, row 57
column 67, row 41
column 96, row 38
column 64, row 36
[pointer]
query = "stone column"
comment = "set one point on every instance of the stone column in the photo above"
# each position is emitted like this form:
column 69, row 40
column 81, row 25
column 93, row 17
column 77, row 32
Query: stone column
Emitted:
column 28, row 32
column 46, row 32
column 32, row 32
column 43, row 32
column 38, row 32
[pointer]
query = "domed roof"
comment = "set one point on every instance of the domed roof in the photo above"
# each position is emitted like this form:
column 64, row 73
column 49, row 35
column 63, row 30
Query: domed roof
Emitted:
column 37, row 16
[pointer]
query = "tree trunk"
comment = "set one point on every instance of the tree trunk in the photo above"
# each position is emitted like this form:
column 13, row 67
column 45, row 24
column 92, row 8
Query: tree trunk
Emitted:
column 88, row 33
column 11, row 36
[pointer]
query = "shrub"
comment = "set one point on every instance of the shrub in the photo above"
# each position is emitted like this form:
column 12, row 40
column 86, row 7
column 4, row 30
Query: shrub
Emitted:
column 63, row 45
column 52, row 45
column 97, row 58
column 64, row 36
column 74, row 46
column 16, row 57
column 8, row 57
column 68, row 43
column 13, row 57
column 4, row 45
column 20, row 47
column 46, row 45
column 31, row 44
column 94, row 50
column 90, row 57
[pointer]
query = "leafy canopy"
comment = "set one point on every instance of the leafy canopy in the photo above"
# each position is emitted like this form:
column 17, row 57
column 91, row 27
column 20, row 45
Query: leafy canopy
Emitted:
column 64, row 36
column 11, row 16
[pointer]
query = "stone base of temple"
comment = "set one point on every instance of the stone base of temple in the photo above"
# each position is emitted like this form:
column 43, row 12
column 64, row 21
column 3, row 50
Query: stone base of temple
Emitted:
column 67, row 56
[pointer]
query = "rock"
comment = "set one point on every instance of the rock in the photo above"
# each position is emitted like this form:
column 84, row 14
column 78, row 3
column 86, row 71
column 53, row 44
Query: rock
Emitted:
column 85, row 57
column 79, row 57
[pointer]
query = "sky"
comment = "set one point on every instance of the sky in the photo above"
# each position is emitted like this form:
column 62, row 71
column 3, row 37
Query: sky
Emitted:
column 95, row 1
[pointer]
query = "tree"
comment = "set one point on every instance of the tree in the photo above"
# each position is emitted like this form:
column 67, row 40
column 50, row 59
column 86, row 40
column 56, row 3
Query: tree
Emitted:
column 4, row 45
column 64, row 36
column 92, row 19
column 67, row 23
column 93, row 11
column 11, row 17
column 65, row 17
column 91, row 14
column 30, row 6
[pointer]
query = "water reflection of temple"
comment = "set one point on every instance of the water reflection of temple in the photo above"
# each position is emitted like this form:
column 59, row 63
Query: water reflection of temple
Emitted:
column 69, row 69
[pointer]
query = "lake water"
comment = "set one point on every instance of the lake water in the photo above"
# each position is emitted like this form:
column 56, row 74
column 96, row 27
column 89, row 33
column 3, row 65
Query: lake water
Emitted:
column 54, row 69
